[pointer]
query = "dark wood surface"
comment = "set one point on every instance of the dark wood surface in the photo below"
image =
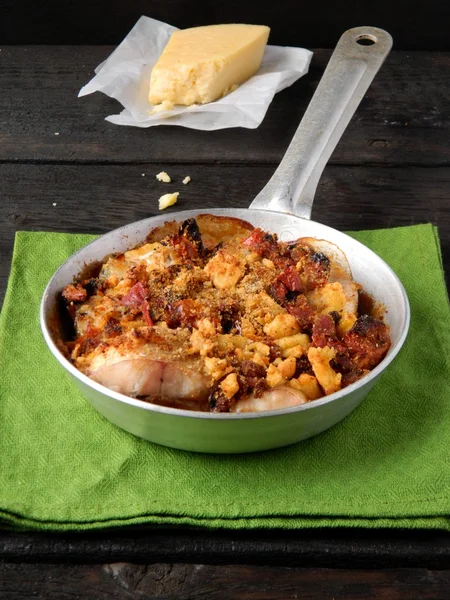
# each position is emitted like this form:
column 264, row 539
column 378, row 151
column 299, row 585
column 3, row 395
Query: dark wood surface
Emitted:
column 419, row 25
column 391, row 168
column 237, row 582
column 404, row 119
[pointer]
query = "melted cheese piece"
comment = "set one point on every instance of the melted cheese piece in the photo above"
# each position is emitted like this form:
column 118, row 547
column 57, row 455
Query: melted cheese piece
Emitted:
column 202, row 64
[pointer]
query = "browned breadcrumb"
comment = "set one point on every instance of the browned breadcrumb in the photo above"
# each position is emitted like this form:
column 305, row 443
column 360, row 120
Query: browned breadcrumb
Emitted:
column 242, row 310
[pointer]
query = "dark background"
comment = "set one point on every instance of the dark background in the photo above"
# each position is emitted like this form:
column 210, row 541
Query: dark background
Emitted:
column 422, row 25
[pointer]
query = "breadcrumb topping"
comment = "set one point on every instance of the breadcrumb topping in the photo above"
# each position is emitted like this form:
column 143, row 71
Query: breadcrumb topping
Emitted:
column 216, row 315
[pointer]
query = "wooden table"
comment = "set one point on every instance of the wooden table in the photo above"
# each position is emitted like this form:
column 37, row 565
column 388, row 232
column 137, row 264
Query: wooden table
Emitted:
column 63, row 168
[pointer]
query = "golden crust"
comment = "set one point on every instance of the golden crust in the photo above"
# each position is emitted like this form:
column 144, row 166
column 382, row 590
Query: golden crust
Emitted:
column 228, row 306
column 213, row 229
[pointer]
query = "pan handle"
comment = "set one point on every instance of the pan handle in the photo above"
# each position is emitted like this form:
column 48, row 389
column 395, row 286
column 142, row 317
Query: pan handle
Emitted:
column 354, row 63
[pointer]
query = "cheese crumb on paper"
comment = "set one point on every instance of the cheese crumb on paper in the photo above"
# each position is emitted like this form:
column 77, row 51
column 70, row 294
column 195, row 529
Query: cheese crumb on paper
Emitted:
column 168, row 200
column 164, row 177
column 165, row 105
column 186, row 180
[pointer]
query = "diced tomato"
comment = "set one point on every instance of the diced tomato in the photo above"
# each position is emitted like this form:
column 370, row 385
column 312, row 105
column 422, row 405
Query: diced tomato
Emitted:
column 291, row 279
column 255, row 238
column 262, row 243
column 279, row 291
column 146, row 313
column 324, row 333
column 137, row 298
column 301, row 310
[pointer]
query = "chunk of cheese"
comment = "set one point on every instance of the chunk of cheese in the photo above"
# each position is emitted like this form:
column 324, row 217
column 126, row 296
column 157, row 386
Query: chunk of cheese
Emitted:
column 202, row 64
column 168, row 200
column 164, row 177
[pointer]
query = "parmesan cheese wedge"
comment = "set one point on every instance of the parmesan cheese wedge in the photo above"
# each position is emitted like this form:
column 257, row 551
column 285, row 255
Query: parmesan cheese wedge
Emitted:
column 202, row 64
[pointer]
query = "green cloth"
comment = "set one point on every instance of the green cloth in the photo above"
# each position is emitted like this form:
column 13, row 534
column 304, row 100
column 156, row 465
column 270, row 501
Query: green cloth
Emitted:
column 63, row 466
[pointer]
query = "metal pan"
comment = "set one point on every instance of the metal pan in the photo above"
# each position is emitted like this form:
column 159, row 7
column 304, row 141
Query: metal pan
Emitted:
column 283, row 207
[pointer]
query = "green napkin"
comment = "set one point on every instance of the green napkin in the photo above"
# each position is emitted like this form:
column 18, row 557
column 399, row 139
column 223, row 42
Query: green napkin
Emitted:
column 63, row 466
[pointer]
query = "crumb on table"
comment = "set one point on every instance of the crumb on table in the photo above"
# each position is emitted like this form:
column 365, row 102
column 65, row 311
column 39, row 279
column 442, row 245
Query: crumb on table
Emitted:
column 168, row 200
column 164, row 177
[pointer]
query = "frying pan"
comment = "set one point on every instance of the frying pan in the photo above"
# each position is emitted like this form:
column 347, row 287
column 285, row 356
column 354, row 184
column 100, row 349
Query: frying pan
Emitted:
column 282, row 207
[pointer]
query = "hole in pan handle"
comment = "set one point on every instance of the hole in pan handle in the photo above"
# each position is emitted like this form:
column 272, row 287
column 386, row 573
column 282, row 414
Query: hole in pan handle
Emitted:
column 358, row 55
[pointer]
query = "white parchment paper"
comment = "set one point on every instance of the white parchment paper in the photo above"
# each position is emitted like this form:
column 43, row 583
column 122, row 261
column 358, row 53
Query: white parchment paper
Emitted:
column 125, row 76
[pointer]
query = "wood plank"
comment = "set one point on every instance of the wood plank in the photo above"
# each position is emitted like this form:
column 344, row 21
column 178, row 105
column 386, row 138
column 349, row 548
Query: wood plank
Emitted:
column 423, row 25
column 96, row 199
column 403, row 120
column 240, row 582
column 331, row 548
